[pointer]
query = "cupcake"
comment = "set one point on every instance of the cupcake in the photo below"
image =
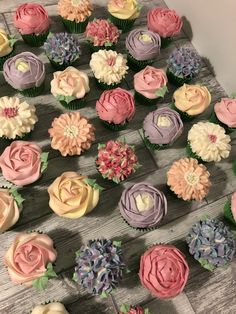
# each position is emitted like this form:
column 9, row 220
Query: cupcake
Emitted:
column 163, row 271
column 102, row 34
column 17, row 119
column 99, row 266
column 224, row 114
column 164, row 22
column 116, row 161
column 191, row 100
column 29, row 260
column 23, row 163
column 50, row 308
column 75, row 14
column 108, row 67
column 188, row 179
column 230, row 209
column 116, row 108
column 6, row 47
column 143, row 47
column 150, row 84
column 10, row 208
column 71, row 134
column 183, row 65
column 130, row 309
column 211, row 243
column 143, row 206
column 32, row 21
column 208, row 142
column 123, row 13
column 25, row 72
column 72, row 195
column 62, row 50
column 161, row 128
column 70, row 87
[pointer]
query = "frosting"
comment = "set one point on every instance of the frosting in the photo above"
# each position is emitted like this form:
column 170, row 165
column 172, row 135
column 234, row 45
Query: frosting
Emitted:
column 128, row 309
column 31, row 18
column 143, row 206
column 109, row 66
column 24, row 71
column 16, row 118
column 70, row 82
column 209, row 141
column 188, row 179
column 165, row 22
column 225, row 111
column 143, row 44
column 162, row 126
column 164, row 271
column 116, row 106
column 233, row 205
column 102, row 33
column 71, row 197
column 149, row 81
column 74, row 10
column 192, row 99
column 71, row 134
column 20, row 162
column 5, row 45
column 124, row 9
column 51, row 308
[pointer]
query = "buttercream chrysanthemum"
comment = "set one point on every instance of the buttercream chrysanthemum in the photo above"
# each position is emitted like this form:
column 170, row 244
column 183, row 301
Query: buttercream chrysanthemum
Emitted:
column 209, row 141
column 71, row 134
column 108, row 66
column 75, row 10
column 188, row 179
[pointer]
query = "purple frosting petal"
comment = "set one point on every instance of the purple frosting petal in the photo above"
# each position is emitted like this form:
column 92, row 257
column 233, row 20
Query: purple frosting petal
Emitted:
column 24, row 80
column 162, row 134
column 143, row 50
column 142, row 219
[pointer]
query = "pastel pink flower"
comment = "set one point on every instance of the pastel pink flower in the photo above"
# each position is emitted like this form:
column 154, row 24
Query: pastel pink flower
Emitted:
column 225, row 111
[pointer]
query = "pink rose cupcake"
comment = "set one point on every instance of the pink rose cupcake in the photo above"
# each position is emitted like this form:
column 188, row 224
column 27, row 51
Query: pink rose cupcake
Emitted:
column 150, row 84
column 32, row 21
column 29, row 260
column 116, row 108
column 22, row 162
column 230, row 209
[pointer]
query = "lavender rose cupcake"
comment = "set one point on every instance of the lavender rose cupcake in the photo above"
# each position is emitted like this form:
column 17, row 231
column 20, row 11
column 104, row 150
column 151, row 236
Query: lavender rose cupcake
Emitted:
column 25, row 72
column 143, row 47
column 143, row 206
column 161, row 128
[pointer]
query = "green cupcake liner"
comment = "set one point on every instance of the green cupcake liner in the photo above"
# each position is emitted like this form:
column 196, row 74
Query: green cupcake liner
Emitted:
column 234, row 167
column 177, row 81
column 228, row 213
column 74, row 27
column 97, row 48
column 191, row 154
column 74, row 104
column 137, row 65
column 32, row 92
column 184, row 116
column 214, row 119
column 4, row 58
column 105, row 86
column 154, row 146
column 35, row 40
column 113, row 126
column 142, row 100
column 165, row 42
column 124, row 25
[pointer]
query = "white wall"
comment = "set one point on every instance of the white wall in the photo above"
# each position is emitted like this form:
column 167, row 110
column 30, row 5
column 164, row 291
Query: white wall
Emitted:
column 213, row 24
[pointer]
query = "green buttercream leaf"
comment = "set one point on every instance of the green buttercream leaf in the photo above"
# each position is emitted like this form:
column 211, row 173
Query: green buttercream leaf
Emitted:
column 40, row 283
column 146, row 311
column 67, row 99
column 44, row 161
column 50, row 35
column 98, row 187
column 139, row 7
column 101, row 146
column 104, row 295
column 233, row 95
column 50, row 273
column 125, row 308
column 92, row 183
column 161, row 92
column 108, row 44
column 128, row 271
column 117, row 243
column 12, row 40
column 205, row 217
column 17, row 197
column 75, row 277
column 77, row 253
column 206, row 265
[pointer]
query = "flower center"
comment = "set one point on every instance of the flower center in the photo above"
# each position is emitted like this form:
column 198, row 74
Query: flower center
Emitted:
column 191, row 178
column 22, row 65
column 71, row 131
column 212, row 138
column 76, row 3
column 10, row 112
column 111, row 61
column 144, row 202
column 163, row 121
column 146, row 38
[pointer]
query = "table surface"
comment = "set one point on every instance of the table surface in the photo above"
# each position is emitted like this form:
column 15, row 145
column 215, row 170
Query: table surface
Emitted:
column 205, row 292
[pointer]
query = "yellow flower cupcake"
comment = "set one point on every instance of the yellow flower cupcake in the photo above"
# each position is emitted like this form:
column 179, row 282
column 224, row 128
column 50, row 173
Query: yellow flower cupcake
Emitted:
column 6, row 47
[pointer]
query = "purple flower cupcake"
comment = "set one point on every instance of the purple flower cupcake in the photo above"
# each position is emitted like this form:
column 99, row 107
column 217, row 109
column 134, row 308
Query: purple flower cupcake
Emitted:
column 161, row 128
column 25, row 72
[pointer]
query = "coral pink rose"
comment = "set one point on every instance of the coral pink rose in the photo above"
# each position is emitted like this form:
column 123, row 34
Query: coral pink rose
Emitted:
column 28, row 257
column 225, row 111
column 31, row 18
column 116, row 106
column 165, row 22
column 148, row 81
column 20, row 162
column 164, row 271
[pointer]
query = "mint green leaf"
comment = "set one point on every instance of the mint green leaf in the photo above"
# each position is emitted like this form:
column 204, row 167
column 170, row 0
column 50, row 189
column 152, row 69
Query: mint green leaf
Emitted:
column 104, row 295
column 75, row 277
column 206, row 265
column 161, row 92
column 125, row 308
column 12, row 40
column 90, row 182
column 77, row 253
column 44, row 161
column 101, row 146
column 117, row 243
column 139, row 7
column 98, row 187
column 40, row 283
column 67, row 99
column 17, row 197
column 146, row 311
column 50, row 273
column 108, row 44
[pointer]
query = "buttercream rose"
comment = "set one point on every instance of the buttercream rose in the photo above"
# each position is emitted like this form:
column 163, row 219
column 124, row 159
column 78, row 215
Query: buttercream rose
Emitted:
column 71, row 195
column 31, row 18
column 51, row 308
column 225, row 111
column 192, row 99
column 165, row 22
column 28, row 257
column 164, row 271
column 124, row 9
column 150, row 81
column 20, row 162
column 5, row 46
column 116, row 106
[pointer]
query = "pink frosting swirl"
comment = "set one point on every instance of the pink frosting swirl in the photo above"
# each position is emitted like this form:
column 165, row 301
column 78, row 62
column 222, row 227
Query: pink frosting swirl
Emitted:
column 165, row 22
column 225, row 111
column 148, row 81
column 233, row 205
column 20, row 162
column 116, row 106
column 164, row 271
column 31, row 18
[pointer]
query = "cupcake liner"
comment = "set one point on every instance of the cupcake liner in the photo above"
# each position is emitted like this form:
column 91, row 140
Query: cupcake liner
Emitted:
column 124, row 25
column 32, row 92
column 113, row 126
column 191, row 154
column 137, row 65
column 4, row 58
column 154, row 146
column 74, row 104
column 97, row 48
column 142, row 100
column 177, row 81
column 165, row 42
column 139, row 229
column 234, row 167
column 228, row 213
column 35, row 40
column 184, row 116
column 214, row 119
column 105, row 86
column 74, row 27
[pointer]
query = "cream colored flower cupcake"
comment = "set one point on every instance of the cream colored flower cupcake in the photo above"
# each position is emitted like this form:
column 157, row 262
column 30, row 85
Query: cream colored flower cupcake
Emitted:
column 51, row 308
